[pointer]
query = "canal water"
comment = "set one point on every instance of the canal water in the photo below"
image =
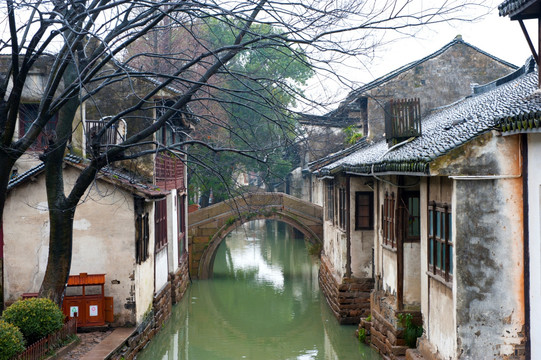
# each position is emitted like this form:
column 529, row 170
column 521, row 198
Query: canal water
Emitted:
column 263, row 303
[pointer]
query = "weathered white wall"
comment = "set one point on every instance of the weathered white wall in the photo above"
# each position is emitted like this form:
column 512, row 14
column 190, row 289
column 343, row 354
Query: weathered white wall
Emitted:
column 439, row 319
column 334, row 238
column 172, row 230
column 489, row 250
column 334, row 246
column 103, row 225
column 389, row 271
column 388, row 257
column 317, row 191
column 144, row 274
column 362, row 241
column 412, row 273
column 534, row 223
column 161, row 269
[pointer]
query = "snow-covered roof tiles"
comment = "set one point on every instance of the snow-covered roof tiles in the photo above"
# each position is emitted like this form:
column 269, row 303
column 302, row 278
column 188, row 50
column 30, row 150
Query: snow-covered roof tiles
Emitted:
column 447, row 128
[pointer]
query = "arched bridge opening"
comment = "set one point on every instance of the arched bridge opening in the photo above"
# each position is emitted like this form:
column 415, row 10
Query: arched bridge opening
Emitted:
column 208, row 227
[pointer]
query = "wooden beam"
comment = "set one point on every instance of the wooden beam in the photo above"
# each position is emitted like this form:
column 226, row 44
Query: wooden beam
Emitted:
column 529, row 40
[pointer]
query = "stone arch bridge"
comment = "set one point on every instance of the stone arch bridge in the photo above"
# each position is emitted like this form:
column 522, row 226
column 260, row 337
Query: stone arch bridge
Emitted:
column 207, row 227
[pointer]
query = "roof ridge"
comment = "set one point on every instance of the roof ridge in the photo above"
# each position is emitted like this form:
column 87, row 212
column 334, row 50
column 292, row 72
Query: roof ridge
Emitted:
column 394, row 73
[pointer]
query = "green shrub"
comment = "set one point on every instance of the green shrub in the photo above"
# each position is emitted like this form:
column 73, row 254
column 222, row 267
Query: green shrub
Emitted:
column 36, row 318
column 362, row 335
column 11, row 341
column 411, row 331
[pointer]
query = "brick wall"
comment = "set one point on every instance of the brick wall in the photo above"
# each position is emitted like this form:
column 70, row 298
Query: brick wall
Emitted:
column 349, row 299
column 384, row 331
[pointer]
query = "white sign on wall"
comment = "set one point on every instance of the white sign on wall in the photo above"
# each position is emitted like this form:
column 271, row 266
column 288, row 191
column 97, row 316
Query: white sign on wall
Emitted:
column 93, row 310
column 74, row 310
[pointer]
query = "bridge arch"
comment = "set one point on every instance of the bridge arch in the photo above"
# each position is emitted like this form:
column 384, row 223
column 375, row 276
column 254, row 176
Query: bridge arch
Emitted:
column 208, row 227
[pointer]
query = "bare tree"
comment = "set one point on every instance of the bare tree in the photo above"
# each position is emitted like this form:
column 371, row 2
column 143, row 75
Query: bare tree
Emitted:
column 83, row 43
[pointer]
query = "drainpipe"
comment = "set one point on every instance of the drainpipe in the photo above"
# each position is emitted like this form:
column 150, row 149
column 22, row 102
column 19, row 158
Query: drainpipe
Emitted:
column 348, row 226
column 526, row 250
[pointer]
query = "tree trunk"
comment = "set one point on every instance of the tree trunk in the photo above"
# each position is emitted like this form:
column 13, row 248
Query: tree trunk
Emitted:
column 6, row 163
column 59, row 260
column 61, row 211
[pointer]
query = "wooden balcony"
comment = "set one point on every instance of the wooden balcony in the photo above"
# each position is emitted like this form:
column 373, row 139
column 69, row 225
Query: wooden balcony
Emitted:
column 169, row 172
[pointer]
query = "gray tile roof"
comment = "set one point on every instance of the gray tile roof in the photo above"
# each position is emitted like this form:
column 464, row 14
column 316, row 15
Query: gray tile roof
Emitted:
column 118, row 177
column 447, row 128
column 509, row 6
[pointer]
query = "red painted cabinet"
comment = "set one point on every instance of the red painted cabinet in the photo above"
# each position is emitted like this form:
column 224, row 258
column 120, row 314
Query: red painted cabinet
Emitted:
column 85, row 300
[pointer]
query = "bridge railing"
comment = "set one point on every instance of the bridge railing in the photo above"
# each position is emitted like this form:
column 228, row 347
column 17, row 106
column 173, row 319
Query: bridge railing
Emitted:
column 254, row 202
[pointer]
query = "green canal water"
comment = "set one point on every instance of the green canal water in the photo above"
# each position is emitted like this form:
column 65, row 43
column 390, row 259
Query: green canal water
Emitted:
column 263, row 303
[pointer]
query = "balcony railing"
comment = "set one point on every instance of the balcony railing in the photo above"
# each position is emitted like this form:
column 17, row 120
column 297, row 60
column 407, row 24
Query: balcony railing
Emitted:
column 169, row 172
column 112, row 136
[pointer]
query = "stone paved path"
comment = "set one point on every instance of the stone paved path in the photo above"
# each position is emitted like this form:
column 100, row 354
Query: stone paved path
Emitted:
column 88, row 341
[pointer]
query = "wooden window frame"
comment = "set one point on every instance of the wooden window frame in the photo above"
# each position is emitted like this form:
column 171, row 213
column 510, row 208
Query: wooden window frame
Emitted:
column 358, row 206
column 407, row 195
column 142, row 231
column 342, row 208
column 160, row 224
column 443, row 238
column 142, row 237
column 330, row 200
column 388, row 220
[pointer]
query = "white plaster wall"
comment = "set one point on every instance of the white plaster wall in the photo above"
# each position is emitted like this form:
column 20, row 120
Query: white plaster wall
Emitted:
column 172, row 230
column 144, row 274
column 389, row 271
column 412, row 273
column 387, row 258
column 317, row 191
column 362, row 241
column 534, row 222
column 439, row 319
column 103, row 239
column 335, row 247
column 161, row 270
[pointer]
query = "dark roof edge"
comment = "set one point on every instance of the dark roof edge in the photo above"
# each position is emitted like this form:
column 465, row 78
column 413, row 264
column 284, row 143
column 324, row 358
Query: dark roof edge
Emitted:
column 77, row 162
column 400, row 70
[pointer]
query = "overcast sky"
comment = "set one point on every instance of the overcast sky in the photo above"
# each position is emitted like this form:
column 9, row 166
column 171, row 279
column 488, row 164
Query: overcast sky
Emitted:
column 496, row 35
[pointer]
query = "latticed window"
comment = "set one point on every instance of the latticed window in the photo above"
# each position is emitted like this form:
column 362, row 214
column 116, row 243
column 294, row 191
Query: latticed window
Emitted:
column 388, row 220
column 329, row 203
column 160, row 224
column 141, row 238
column 413, row 221
column 440, row 240
column 141, row 231
column 342, row 210
column 364, row 210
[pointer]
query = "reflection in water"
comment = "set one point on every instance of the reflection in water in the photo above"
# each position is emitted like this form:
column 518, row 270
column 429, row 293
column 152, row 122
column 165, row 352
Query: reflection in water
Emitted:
column 263, row 303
